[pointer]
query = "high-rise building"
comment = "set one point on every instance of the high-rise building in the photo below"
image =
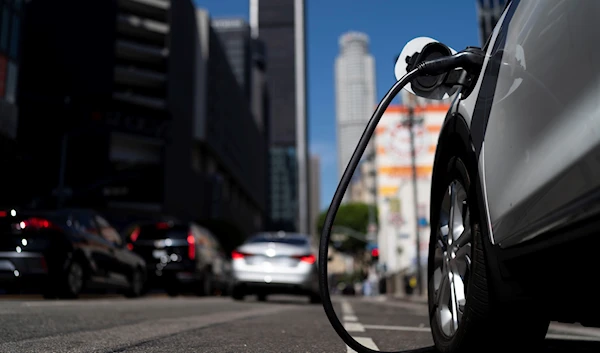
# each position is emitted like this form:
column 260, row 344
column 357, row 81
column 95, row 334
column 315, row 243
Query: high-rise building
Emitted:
column 137, row 112
column 10, row 30
column 315, row 194
column 234, row 34
column 355, row 99
column 280, row 24
column 488, row 12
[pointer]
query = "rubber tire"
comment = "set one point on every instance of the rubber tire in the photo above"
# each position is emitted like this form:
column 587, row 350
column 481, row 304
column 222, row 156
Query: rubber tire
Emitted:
column 133, row 292
column 485, row 323
column 237, row 293
column 172, row 290
column 262, row 297
column 66, row 292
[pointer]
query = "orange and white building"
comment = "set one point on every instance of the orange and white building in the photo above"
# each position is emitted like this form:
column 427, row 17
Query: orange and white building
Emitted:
column 397, row 217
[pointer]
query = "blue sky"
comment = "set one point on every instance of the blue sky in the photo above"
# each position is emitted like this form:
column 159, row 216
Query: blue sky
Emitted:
column 389, row 24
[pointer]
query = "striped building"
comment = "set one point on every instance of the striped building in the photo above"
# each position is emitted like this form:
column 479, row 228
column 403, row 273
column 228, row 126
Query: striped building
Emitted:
column 397, row 218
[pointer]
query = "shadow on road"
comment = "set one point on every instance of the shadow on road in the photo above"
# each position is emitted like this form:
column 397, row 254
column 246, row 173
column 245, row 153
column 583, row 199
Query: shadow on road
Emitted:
column 571, row 346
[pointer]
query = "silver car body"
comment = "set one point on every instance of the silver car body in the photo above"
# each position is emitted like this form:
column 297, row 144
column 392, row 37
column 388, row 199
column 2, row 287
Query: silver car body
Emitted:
column 534, row 119
column 277, row 264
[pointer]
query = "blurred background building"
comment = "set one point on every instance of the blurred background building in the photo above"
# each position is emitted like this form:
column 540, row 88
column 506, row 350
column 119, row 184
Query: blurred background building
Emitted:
column 11, row 14
column 281, row 26
column 140, row 114
column 355, row 99
column 488, row 13
column 315, row 194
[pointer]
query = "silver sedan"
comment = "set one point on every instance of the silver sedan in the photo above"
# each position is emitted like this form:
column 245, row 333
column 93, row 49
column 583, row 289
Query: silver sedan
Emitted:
column 276, row 263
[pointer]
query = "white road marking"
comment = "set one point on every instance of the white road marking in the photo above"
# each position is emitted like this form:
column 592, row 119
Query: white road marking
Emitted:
column 354, row 327
column 397, row 328
column 365, row 341
column 558, row 336
column 350, row 318
column 574, row 329
column 347, row 309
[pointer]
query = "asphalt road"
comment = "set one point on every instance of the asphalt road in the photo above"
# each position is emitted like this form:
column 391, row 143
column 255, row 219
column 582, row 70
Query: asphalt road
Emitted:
column 190, row 324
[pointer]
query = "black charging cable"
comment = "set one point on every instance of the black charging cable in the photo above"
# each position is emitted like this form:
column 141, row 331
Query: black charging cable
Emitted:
column 470, row 61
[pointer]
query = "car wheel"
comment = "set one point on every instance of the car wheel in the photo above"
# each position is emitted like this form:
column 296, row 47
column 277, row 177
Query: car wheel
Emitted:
column 237, row 293
column 136, row 284
column 315, row 298
column 262, row 297
column 463, row 315
column 74, row 280
column 205, row 287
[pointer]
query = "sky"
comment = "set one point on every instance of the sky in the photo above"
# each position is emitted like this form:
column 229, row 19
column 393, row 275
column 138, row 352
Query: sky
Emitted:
column 390, row 24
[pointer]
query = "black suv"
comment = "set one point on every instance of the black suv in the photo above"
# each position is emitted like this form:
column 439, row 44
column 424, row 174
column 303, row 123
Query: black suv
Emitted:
column 180, row 256
column 64, row 252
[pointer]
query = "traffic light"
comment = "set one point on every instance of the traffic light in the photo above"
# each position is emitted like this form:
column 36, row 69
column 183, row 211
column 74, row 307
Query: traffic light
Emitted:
column 375, row 254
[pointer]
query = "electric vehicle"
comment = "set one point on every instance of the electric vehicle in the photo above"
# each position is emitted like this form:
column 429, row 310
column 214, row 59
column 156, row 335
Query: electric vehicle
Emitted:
column 275, row 263
column 515, row 196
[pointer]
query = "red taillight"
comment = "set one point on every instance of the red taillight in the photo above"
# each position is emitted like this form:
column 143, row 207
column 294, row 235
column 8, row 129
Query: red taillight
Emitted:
column 36, row 223
column 133, row 237
column 191, row 246
column 375, row 252
column 309, row 259
column 3, row 213
column 236, row 255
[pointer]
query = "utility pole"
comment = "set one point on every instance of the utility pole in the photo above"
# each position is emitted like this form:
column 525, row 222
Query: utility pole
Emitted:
column 411, row 123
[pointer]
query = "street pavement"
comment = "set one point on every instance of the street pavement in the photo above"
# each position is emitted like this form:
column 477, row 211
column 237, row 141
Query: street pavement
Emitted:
column 190, row 324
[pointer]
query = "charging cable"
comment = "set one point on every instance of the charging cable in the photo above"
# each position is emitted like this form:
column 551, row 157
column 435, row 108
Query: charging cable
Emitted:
column 469, row 61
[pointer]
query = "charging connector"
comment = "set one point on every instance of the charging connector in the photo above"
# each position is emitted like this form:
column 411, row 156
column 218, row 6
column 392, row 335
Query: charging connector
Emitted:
column 470, row 62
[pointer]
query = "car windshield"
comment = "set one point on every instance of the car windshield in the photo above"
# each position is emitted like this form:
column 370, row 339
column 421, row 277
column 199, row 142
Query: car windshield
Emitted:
column 282, row 240
column 153, row 232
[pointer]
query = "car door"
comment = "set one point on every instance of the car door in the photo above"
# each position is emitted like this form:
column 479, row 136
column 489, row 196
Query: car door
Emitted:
column 97, row 250
column 536, row 120
column 204, row 246
column 117, row 260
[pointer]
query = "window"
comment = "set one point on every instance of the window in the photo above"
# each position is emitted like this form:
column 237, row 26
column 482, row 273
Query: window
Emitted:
column 108, row 232
column 10, row 88
column 85, row 224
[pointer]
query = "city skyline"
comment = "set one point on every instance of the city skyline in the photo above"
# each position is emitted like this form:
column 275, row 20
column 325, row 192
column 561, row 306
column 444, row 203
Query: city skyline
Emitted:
column 389, row 27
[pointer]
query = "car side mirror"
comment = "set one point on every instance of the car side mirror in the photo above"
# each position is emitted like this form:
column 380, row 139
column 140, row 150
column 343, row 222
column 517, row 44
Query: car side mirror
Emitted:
column 414, row 53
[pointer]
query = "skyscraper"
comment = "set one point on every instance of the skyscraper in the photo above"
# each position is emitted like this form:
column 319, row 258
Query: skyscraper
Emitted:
column 280, row 25
column 355, row 99
column 315, row 192
column 488, row 12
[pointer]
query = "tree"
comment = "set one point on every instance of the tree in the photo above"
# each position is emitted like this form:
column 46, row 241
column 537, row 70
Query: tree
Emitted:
column 355, row 216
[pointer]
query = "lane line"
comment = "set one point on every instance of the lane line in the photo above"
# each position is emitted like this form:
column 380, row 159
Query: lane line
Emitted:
column 575, row 330
column 365, row 341
column 350, row 318
column 346, row 308
column 354, row 327
column 397, row 328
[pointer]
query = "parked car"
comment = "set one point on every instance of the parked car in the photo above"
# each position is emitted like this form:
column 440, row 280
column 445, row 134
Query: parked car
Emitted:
column 515, row 186
column 180, row 256
column 276, row 263
column 63, row 252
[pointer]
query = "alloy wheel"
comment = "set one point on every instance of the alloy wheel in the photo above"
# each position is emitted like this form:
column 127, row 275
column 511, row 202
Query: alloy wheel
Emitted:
column 452, row 259
column 75, row 278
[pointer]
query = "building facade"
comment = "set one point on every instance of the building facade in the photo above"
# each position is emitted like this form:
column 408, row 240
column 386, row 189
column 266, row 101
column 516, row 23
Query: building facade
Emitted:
column 11, row 17
column 488, row 13
column 281, row 26
column 355, row 99
column 315, row 194
column 133, row 118
column 397, row 213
